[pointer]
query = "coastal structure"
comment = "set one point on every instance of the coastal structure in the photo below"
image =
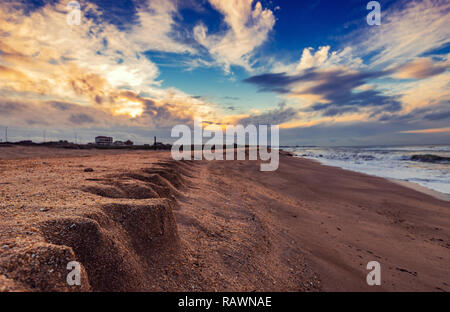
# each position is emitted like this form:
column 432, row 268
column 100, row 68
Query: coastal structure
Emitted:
column 103, row 140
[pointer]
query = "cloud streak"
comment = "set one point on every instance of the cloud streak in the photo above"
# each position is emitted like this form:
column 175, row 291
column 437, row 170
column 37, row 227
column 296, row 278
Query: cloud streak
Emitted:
column 277, row 116
column 421, row 68
column 419, row 27
column 437, row 130
column 334, row 91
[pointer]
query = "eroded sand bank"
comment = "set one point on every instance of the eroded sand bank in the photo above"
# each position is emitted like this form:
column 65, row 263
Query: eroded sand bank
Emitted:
column 142, row 222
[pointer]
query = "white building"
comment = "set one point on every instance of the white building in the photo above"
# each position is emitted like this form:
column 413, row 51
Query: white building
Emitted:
column 103, row 140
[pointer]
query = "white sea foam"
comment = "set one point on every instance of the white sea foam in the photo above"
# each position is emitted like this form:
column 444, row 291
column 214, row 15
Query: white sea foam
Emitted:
column 388, row 162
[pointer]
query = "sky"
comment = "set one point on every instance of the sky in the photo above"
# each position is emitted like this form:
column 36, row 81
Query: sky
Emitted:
column 133, row 69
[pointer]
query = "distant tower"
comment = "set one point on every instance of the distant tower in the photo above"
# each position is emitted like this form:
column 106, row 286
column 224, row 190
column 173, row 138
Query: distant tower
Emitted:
column 154, row 143
column 6, row 134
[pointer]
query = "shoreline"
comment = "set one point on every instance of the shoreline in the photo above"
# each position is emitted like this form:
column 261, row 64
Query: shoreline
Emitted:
column 408, row 184
column 422, row 189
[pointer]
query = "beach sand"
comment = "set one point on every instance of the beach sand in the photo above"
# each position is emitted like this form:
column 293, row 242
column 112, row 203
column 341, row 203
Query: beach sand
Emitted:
column 139, row 221
column 422, row 189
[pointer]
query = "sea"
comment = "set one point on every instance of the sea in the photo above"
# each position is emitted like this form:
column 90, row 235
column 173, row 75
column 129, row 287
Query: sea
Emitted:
column 428, row 166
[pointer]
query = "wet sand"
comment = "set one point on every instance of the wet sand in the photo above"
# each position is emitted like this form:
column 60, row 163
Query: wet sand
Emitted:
column 423, row 189
column 139, row 221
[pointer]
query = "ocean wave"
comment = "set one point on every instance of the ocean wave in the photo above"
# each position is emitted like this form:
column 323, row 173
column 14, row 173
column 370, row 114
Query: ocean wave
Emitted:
column 431, row 158
column 425, row 165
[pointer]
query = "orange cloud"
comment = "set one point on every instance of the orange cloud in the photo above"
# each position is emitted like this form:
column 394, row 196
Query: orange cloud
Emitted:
column 436, row 130
column 72, row 64
column 421, row 68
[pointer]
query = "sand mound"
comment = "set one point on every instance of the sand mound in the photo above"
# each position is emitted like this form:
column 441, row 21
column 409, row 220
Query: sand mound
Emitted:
column 107, row 262
column 31, row 268
column 157, row 183
column 114, row 245
column 128, row 189
column 8, row 285
column 163, row 181
column 122, row 244
column 105, row 191
column 168, row 177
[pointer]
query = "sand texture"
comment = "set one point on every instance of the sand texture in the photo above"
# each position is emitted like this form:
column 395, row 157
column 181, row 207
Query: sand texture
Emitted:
column 139, row 221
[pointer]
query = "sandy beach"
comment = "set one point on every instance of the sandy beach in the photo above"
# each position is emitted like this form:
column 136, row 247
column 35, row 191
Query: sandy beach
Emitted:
column 139, row 221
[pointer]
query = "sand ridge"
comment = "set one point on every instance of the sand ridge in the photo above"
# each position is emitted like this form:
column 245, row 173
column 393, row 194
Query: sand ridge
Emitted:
column 140, row 221
column 121, row 234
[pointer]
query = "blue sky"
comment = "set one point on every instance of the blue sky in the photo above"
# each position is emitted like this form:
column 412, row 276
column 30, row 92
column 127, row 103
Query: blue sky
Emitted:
column 136, row 68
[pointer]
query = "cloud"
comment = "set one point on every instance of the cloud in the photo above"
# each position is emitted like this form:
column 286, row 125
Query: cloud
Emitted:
column 435, row 130
column 61, row 114
column 362, row 133
column 322, row 58
column 155, row 26
column 92, row 46
column 406, row 33
column 421, row 68
column 332, row 92
column 231, row 98
column 317, row 59
column 9, row 107
column 276, row 82
column 338, row 86
column 95, row 65
column 276, row 116
column 79, row 119
column 438, row 115
column 334, row 86
column 30, row 112
column 248, row 28
column 430, row 92
column 336, row 111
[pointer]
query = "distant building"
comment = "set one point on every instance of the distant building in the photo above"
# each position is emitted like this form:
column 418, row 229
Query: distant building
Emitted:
column 129, row 143
column 119, row 143
column 103, row 140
